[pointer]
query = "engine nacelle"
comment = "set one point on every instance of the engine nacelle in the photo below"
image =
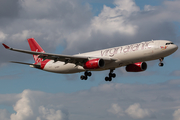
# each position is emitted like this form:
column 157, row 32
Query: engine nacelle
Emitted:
column 136, row 67
column 94, row 64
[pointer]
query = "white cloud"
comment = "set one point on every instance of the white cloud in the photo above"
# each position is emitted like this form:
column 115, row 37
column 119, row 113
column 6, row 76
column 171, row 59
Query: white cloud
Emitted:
column 24, row 35
column 50, row 114
column 121, row 101
column 127, row 5
column 149, row 8
column 176, row 114
column 23, row 108
column 2, row 36
column 116, row 109
column 112, row 20
column 136, row 112
column 29, row 107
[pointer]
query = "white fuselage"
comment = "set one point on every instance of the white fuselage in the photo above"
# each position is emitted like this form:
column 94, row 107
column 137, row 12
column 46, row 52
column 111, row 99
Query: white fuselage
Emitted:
column 124, row 55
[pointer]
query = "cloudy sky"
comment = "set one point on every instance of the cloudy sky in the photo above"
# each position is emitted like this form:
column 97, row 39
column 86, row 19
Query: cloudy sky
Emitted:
column 77, row 26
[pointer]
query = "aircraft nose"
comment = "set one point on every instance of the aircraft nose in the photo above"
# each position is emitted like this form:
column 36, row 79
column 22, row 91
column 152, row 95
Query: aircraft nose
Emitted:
column 174, row 48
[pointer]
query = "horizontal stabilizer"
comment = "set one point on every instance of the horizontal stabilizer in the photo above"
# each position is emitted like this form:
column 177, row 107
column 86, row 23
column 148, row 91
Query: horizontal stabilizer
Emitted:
column 36, row 66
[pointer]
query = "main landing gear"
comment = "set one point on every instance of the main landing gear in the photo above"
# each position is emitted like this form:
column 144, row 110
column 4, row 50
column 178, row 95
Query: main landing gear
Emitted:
column 111, row 75
column 161, row 60
column 85, row 76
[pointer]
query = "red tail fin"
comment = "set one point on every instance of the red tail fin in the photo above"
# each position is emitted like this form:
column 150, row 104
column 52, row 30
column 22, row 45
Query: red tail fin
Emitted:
column 35, row 47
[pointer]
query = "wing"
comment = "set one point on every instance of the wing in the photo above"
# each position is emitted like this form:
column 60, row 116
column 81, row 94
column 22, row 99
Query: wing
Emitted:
column 75, row 59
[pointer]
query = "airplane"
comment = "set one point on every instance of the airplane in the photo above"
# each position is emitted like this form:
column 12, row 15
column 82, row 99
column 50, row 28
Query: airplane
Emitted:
column 132, row 56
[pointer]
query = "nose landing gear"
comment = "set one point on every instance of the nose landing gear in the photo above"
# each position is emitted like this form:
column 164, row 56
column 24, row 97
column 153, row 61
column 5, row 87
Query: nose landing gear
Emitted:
column 85, row 76
column 161, row 60
column 111, row 75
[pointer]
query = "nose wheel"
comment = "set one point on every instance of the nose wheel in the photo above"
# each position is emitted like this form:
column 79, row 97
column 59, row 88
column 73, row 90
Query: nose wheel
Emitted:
column 161, row 62
column 85, row 76
column 111, row 75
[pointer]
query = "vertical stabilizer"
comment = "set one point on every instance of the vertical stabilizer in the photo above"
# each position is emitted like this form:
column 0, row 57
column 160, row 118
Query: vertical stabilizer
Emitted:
column 37, row 48
column 34, row 45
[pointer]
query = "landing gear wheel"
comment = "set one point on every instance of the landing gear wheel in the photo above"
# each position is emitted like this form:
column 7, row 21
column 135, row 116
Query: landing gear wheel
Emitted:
column 161, row 64
column 85, row 77
column 106, row 78
column 89, row 74
column 111, row 75
column 110, row 78
column 82, row 77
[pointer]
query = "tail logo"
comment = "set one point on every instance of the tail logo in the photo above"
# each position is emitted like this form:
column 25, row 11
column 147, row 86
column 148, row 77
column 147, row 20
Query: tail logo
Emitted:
column 36, row 57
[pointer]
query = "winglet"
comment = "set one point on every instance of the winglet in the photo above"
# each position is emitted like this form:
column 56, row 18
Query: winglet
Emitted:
column 7, row 47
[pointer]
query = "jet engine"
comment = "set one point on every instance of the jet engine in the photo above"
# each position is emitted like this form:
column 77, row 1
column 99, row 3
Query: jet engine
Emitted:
column 94, row 64
column 136, row 67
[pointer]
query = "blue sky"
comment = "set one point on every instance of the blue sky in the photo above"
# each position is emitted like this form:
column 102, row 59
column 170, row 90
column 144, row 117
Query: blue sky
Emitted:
column 75, row 26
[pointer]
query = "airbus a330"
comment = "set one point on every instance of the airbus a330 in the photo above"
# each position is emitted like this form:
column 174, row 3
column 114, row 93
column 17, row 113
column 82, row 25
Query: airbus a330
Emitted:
column 132, row 56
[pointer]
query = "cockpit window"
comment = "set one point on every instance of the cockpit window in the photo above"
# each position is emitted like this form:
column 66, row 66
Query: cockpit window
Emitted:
column 169, row 43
